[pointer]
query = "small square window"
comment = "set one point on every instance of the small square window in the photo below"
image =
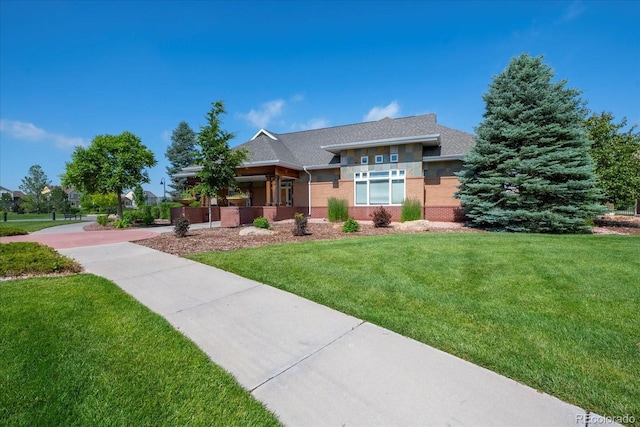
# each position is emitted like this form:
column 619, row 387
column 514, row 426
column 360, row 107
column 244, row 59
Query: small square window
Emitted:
column 379, row 158
column 393, row 158
column 364, row 160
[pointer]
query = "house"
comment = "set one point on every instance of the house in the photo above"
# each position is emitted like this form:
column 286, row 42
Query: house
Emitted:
column 150, row 199
column 370, row 164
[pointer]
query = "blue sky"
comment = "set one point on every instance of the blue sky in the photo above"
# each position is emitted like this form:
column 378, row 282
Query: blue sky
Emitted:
column 71, row 70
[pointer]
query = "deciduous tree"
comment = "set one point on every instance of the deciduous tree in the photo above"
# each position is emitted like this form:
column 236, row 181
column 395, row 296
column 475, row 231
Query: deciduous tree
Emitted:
column 33, row 185
column 530, row 169
column 218, row 160
column 111, row 164
column 616, row 154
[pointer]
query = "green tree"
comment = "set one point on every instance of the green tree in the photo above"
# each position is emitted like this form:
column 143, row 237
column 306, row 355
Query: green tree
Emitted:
column 33, row 185
column 138, row 196
column 110, row 164
column 617, row 158
column 530, row 169
column 6, row 202
column 181, row 153
column 59, row 200
column 218, row 161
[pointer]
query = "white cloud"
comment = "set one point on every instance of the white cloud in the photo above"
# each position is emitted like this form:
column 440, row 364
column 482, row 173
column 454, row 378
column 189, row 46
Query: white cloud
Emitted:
column 574, row 10
column 316, row 123
column 30, row 132
column 269, row 110
column 377, row 113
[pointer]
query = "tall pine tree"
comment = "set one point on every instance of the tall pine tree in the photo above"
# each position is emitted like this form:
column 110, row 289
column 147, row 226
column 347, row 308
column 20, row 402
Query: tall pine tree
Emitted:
column 181, row 153
column 530, row 170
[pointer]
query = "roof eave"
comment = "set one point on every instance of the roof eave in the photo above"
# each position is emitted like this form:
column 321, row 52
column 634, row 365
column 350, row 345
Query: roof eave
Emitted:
column 431, row 159
column 429, row 140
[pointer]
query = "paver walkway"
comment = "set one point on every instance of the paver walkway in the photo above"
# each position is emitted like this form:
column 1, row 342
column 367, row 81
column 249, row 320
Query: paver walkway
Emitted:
column 314, row 366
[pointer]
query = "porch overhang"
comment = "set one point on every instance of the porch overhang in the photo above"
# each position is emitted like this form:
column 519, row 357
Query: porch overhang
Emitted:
column 430, row 140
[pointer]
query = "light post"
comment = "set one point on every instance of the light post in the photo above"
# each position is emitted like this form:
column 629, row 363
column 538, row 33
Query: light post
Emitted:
column 164, row 190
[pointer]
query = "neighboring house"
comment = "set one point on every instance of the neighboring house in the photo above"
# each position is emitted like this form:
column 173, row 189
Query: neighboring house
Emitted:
column 4, row 190
column 150, row 199
column 368, row 164
column 74, row 197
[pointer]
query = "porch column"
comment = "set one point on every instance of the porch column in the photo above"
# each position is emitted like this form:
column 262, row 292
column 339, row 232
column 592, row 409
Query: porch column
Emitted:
column 268, row 191
column 278, row 191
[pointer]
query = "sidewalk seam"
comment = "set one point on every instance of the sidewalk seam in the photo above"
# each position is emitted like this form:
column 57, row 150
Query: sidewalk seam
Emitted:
column 219, row 298
column 362, row 322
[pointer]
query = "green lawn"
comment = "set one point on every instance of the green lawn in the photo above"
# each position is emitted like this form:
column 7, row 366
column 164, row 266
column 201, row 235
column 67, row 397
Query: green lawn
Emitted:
column 31, row 226
column 77, row 350
column 559, row 313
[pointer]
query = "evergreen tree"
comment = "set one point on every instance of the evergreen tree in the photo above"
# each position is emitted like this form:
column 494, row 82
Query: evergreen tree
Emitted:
column 617, row 158
column 181, row 153
column 530, row 169
column 138, row 196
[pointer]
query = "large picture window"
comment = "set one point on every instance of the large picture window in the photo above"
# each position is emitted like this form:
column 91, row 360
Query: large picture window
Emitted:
column 380, row 187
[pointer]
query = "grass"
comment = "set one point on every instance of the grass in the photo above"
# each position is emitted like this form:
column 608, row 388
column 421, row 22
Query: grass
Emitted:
column 20, row 258
column 77, row 350
column 31, row 226
column 559, row 313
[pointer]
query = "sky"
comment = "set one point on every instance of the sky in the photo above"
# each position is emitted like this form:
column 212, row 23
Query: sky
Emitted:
column 71, row 70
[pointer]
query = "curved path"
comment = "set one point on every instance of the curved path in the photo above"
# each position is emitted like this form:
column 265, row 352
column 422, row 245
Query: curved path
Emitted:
column 73, row 235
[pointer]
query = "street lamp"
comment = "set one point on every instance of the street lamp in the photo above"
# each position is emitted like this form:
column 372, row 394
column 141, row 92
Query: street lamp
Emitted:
column 164, row 190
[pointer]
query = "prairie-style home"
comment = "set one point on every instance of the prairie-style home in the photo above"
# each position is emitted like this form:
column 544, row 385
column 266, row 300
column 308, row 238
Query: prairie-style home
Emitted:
column 370, row 164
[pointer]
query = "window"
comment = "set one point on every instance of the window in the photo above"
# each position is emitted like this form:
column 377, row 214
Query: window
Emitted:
column 379, row 158
column 380, row 187
column 393, row 158
column 364, row 160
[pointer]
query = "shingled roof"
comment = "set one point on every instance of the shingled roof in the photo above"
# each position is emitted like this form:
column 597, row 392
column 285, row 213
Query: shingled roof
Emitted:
column 305, row 148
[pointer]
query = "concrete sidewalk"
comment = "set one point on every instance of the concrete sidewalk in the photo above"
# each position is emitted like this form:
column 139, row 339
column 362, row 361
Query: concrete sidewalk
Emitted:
column 314, row 366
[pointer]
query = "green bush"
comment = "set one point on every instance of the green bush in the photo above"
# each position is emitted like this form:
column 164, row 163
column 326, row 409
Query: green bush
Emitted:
column 381, row 217
column 124, row 222
column 165, row 209
column 12, row 231
column 300, row 224
column 102, row 220
column 181, row 227
column 350, row 226
column 155, row 211
column 411, row 210
column 261, row 222
column 338, row 210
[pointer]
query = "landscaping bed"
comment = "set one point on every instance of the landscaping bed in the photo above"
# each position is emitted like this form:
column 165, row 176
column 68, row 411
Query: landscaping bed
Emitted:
column 227, row 239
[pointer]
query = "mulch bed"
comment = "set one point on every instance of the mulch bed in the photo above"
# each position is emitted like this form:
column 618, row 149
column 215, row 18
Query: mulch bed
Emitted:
column 227, row 239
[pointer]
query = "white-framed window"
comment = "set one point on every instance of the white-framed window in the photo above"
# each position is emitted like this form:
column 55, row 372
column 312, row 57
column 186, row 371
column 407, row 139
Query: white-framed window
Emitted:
column 393, row 158
column 379, row 158
column 379, row 187
column 364, row 160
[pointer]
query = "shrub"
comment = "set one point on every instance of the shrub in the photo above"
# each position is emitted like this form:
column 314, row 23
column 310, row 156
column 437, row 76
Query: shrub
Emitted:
column 102, row 220
column 261, row 222
column 411, row 210
column 338, row 210
column 122, row 223
column 300, row 224
column 165, row 209
column 12, row 231
column 350, row 226
column 381, row 217
column 181, row 227
column 155, row 212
